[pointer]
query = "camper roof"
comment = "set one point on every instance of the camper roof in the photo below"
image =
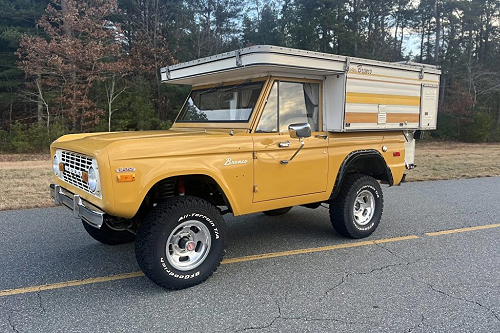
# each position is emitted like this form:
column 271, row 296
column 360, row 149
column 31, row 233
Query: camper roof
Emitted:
column 264, row 60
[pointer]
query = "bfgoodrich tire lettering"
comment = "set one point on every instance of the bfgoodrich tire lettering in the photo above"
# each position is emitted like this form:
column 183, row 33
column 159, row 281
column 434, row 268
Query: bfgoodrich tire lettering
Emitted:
column 357, row 210
column 166, row 222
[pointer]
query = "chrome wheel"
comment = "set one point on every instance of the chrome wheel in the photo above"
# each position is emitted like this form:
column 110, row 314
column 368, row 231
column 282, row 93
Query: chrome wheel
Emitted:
column 188, row 245
column 364, row 207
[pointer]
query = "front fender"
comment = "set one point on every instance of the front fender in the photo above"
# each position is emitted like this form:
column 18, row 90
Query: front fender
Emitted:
column 128, row 196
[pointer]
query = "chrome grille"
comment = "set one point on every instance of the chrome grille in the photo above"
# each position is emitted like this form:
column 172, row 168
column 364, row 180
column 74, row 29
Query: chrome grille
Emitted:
column 74, row 165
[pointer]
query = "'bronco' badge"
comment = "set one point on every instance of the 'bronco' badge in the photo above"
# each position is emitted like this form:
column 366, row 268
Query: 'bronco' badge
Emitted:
column 231, row 162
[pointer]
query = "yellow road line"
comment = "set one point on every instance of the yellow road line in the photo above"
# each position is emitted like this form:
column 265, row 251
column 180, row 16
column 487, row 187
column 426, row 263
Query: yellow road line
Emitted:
column 73, row 283
column 395, row 239
column 314, row 249
column 454, row 231
column 33, row 289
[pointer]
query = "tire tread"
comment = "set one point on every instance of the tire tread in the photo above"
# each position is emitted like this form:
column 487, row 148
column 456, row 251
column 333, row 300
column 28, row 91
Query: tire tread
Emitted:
column 339, row 207
column 152, row 226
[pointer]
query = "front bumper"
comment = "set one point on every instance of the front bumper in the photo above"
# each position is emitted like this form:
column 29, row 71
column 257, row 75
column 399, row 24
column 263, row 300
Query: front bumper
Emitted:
column 81, row 209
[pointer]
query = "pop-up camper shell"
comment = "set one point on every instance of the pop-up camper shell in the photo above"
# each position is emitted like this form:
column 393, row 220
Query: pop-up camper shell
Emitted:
column 358, row 94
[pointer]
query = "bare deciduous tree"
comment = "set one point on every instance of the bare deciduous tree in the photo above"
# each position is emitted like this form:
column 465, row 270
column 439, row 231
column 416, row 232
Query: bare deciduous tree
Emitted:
column 81, row 46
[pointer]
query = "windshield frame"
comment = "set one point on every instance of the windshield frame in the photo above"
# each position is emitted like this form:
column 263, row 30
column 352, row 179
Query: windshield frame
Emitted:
column 260, row 81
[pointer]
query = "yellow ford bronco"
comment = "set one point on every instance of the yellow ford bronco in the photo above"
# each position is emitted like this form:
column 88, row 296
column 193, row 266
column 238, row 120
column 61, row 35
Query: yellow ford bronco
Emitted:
column 264, row 129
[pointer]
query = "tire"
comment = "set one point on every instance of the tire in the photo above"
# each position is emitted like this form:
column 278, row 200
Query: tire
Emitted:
column 277, row 212
column 357, row 209
column 181, row 242
column 108, row 236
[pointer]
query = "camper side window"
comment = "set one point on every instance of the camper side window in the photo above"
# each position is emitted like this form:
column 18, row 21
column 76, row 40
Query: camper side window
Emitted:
column 290, row 103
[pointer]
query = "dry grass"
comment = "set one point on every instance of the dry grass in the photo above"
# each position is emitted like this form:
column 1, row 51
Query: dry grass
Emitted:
column 25, row 179
column 23, row 157
column 453, row 160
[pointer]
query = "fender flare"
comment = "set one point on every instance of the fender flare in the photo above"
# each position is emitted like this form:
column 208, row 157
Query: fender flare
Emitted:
column 352, row 157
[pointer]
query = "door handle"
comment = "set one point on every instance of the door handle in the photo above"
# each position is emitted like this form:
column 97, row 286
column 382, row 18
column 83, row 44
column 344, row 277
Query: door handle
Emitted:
column 321, row 136
column 284, row 144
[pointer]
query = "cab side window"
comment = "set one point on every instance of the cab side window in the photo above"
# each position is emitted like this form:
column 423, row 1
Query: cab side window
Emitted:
column 298, row 103
column 290, row 103
column 269, row 120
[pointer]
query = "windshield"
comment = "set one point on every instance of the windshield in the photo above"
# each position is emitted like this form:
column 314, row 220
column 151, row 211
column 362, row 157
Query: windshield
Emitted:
column 221, row 104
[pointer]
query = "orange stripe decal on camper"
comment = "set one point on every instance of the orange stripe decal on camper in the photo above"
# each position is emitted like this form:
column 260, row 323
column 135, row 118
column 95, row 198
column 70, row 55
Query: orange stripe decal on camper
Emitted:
column 403, row 117
column 361, row 117
column 372, row 118
column 362, row 98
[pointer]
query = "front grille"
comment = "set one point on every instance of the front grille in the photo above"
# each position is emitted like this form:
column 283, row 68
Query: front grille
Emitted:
column 74, row 165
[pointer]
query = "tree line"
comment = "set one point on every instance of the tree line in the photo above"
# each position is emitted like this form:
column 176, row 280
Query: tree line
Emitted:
column 93, row 65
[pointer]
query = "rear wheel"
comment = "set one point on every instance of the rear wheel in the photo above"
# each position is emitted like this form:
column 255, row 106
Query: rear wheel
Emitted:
column 357, row 210
column 180, row 243
column 277, row 212
column 108, row 236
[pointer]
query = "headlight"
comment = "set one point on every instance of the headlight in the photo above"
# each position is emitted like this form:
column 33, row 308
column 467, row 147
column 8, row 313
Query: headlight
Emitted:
column 55, row 165
column 92, row 179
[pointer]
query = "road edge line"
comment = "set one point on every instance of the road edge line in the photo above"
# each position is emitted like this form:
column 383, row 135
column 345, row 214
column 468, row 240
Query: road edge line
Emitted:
column 454, row 231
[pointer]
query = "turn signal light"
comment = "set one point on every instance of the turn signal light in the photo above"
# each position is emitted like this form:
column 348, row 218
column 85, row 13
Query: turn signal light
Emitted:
column 85, row 177
column 125, row 178
column 61, row 167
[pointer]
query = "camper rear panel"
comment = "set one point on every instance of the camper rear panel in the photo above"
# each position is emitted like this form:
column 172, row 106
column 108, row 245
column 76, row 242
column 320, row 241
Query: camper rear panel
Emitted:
column 378, row 98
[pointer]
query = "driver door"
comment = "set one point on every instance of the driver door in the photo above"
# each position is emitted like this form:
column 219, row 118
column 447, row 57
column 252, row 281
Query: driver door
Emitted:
column 290, row 103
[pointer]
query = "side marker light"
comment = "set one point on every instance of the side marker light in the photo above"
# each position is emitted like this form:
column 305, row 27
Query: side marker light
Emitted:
column 125, row 178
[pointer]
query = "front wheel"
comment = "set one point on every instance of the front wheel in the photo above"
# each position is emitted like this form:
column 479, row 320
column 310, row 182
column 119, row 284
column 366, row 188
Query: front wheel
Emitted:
column 180, row 243
column 357, row 210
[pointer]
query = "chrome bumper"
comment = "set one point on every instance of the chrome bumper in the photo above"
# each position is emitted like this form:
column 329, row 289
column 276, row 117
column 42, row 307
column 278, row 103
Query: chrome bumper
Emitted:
column 80, row 211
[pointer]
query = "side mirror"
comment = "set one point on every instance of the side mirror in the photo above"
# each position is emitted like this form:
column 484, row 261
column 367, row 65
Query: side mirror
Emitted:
column 299, row 131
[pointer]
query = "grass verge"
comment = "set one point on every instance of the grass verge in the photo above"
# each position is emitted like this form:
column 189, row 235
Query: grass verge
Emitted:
column 25, row 179
column 454, row 160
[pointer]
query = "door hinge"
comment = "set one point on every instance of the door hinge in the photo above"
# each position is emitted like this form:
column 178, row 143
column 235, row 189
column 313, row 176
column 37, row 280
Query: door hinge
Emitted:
column 254, row 155
column 255, row 189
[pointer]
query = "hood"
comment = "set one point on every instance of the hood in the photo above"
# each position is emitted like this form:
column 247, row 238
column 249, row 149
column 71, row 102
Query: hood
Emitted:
column 129, row 135
column 144, row 144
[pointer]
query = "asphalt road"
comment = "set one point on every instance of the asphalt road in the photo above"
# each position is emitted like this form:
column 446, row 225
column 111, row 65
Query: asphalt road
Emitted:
column 421, row 283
